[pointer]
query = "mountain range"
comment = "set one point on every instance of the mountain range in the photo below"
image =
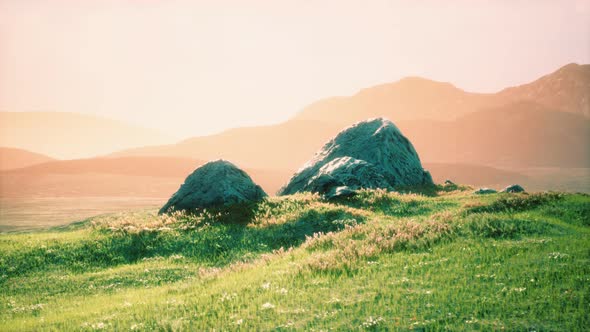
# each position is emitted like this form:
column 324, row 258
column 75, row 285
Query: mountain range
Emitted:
column 535, row 134
column 156, row 177
column 65, row 135
column 545, row 123
column 11, row 158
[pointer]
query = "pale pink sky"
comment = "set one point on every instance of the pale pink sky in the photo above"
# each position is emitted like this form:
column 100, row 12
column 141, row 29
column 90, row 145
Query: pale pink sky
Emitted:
column 196, row 67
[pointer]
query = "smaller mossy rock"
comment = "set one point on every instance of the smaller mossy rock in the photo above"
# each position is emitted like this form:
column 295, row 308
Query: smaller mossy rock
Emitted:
column 515, row 188
column 215, row 184
column 449, row 183
column 485, row 191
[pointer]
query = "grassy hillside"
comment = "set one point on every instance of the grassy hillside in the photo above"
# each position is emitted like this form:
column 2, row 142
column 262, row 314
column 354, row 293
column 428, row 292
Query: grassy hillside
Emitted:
column 379, row 261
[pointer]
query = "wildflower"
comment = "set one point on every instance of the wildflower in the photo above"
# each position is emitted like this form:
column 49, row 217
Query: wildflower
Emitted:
column 266, row 285
column 267, row 306
column 288, row 324
column 372, row 322
column 557, row 255
column 98, row 326
column 239, row 322
column 228, row 297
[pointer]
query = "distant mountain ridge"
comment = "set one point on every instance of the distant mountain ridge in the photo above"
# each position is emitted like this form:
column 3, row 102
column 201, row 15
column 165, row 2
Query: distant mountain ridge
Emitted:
column 415, row 98
column 161, row 176
column 411, row 98
column 520, row 134
column 11, row 158
column 444, row 123
column 114, row 177
column 71, row 135
column 567, row 89
column 460, row 134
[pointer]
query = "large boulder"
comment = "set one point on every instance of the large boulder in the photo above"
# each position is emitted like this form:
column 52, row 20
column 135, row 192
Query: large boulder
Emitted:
column 370, row 154
column 213, row 185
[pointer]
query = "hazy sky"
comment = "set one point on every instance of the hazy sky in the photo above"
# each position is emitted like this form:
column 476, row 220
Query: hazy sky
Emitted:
column 196, row 67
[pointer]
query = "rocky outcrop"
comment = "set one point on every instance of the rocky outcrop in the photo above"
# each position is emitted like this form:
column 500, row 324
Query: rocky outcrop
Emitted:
column 485, row 191
column 515, row 188
column 215, row 184
column 449, row 183
column 370, row 154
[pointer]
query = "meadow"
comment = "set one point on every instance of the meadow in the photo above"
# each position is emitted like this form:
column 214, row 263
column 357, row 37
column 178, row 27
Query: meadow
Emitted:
column 441, row 259
column 30, row 213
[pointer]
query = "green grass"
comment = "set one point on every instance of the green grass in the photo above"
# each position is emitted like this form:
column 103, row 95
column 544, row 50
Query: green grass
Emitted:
column 436, row 260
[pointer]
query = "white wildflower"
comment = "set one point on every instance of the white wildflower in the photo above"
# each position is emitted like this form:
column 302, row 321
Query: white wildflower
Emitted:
column 99, row 326
column 372, row 322
column 267, row 306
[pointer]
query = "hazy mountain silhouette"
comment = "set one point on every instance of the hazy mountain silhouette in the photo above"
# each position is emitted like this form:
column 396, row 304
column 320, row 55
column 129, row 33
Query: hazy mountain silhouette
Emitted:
column 444, row 123
column 161, row 176
column 414, row 98
column 135, row 166
column 127, row 176
column 284, row 146
column 11, row 158
column 567, row 89
column 70, row 135
column 521, row 134
column 411, row 98
column 479, row 139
